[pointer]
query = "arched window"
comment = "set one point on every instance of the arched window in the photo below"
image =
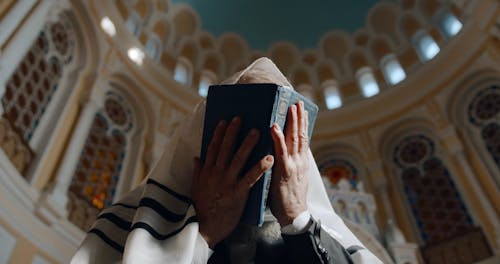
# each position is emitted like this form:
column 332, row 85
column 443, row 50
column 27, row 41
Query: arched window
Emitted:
column 366, row 81
column 182, row 72
column 136, row 55
column 133, row 23
column 37, row 78
column 449, row 23
column 207, row 78
column 483, row 115
column 153, row 46
column 97, row 174
column 426, row 46
column 108, row 26
column 336, row 169
column 332, row 95
column 431, row 194
column 393, row 72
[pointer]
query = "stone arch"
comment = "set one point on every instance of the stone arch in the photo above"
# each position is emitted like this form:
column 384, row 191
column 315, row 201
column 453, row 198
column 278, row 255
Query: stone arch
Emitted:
column 409, row 24
column 162, row 28
column 461, row 111
column 301, row 75
column 234, row 49
column 361, row 38
column 380, row 47
column 429, row 8
column 310, row 57
column 325, row 71
column 189, row 50
column 357, row 59
column 383, row 19
column 285, row 55
column 206, row 41
column 335, row 45
column 214, row 62
column 185, row 22
column 144, row 9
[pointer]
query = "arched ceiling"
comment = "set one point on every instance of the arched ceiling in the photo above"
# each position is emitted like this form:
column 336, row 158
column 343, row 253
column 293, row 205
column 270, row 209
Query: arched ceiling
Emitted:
column 262, row 22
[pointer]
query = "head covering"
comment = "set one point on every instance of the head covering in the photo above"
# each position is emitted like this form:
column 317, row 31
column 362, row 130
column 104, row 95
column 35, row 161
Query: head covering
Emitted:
column 156, row 223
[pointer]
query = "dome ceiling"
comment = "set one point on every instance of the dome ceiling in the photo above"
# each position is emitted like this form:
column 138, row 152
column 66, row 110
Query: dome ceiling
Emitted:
column 262, row 22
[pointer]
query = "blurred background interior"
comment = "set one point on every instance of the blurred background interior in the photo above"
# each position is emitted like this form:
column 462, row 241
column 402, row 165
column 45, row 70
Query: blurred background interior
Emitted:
column 407, row 139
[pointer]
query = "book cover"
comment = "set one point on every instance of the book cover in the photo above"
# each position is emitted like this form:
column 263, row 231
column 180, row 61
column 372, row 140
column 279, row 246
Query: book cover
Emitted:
column 259, row 106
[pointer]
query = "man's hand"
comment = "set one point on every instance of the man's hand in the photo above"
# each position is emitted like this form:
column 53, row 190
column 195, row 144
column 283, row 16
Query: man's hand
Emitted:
column 219, row 196
column 290, row 179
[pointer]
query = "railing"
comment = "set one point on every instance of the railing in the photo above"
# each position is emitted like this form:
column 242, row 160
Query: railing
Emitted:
column 465, row 248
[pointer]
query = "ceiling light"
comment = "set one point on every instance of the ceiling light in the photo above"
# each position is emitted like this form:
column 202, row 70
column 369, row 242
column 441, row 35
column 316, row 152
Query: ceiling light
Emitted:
column 108, row 26
column 136, row 55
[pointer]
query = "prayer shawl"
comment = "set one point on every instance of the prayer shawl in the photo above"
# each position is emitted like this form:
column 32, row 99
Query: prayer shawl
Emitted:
column 157, row 223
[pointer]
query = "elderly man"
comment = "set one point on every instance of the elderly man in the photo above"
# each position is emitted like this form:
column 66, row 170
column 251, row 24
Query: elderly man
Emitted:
column 189, row 212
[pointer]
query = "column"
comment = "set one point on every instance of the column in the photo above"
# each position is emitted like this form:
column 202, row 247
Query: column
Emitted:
column 57, row 199
column 455, row 147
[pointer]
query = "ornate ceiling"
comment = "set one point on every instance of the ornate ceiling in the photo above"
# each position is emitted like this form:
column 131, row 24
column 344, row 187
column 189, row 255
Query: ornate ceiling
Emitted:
column 262, row 22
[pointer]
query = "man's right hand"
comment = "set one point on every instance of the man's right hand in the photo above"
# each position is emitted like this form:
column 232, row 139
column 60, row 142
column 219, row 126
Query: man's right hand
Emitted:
column 290, row 175
column 219, row 196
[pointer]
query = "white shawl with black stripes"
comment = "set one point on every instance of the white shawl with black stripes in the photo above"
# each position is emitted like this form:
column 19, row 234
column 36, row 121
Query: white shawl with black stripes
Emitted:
column 156, row 222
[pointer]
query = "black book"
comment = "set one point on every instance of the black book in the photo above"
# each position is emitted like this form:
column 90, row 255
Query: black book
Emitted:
column 259, row 106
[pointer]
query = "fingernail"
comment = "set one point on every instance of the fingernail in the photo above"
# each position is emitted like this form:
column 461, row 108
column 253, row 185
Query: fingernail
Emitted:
column 301, row 103
column 293, row 107
column 236, row 119
column 276, row 126
column 221, row 123
column 269, row 158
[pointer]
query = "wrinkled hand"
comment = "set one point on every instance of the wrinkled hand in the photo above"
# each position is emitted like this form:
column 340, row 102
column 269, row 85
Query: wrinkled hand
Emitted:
column 219, row 196
column 290, row 179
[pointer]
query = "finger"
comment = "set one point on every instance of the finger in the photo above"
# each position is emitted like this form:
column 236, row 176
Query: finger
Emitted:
column 241, row 156
column 214, row 146
column 291, row 134
column 280, row 148
column 303, row 135
column 228, row 143
column 254, row 174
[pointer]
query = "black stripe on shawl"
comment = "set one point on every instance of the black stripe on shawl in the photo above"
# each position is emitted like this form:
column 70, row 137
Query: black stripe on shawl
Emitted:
column 159, row 236
column 161, row 210
column 353, row 249
column 118, row 221
column 170, row 191
column 125, row 205
column 107, row 240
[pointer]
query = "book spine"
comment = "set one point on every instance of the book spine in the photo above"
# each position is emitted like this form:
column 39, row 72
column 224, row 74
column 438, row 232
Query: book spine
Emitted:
column 280, row 110
column 282, row 106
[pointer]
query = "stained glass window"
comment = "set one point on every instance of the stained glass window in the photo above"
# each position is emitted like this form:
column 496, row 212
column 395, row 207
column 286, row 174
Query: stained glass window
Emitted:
column 336, row 169
column 431, row 193
column 483, row 114
column 101, row 160
column 32, row 85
